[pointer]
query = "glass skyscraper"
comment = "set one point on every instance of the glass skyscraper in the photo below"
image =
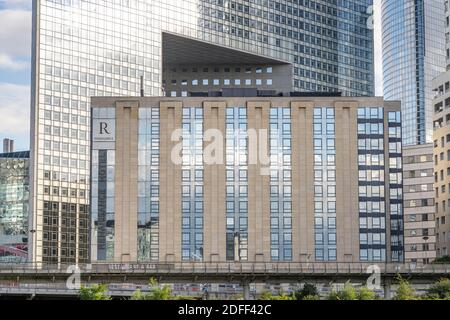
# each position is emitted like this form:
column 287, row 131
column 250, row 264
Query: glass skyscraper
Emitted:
column 14, row 203
column 85, row 48
column 413, row 54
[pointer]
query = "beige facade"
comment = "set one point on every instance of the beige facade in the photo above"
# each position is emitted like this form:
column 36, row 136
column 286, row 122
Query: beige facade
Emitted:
column 441, row 159
column 419, row 208
column 304, row 239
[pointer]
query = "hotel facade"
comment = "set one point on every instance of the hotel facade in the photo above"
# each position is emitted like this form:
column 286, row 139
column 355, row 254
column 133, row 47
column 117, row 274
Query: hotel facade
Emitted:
column 257, row 179
column 85, row 48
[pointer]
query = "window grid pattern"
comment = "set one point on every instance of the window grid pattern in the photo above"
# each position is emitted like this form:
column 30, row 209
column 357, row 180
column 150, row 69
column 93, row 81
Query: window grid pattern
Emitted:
column 103, row 196
column 325, row 184
column 14, row 202
column 371, row 166
column 236, row 184
column 280, row 184
column 192, row 184
column 90, row 48
column 148, row 184
column 396, row 186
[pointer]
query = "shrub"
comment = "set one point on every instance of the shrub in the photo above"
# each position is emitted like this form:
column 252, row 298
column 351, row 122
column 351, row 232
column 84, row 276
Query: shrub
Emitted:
column 404, row 290
column 439, row 290
column 95, row 292
column 308, row 290
column 366, row 294
column 156, row 292
column 442, row 260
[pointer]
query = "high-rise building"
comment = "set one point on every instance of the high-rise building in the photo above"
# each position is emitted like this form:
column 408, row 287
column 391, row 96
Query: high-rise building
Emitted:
column 442, row 161
column 441, row 108
column 418, row 188
column 14, row 204
column 255, row 179
column 8, row 145
column 413, row 54
column 85, row 48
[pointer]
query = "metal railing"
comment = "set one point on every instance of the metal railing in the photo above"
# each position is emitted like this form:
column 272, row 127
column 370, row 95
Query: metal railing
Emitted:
column 226, row 267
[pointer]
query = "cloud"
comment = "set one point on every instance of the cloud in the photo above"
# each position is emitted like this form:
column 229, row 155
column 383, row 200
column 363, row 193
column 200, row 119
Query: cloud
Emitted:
column 14, row 111
column 6, row 62
column 16, row 4
column 15, row 33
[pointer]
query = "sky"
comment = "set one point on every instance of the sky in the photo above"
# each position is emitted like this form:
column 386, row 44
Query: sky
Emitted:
column 15, row 68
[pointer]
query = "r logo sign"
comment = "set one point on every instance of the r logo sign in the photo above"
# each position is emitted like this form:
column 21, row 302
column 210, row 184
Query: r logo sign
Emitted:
column 103, row 130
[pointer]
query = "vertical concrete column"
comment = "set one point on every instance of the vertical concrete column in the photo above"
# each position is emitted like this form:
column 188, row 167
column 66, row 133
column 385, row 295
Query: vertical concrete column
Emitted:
column 387, row 289
column 214, row 225
column 246, row 287
column 170, row 184
column 347, row 199
column 258, row 186
column 302, row 181
column 127, row 124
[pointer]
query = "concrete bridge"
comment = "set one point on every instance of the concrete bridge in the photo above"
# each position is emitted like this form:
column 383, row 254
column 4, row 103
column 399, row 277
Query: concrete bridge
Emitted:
column 53, row 278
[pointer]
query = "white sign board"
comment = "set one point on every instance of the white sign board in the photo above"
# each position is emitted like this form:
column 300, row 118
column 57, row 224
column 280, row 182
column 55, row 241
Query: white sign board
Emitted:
column 104, row 130
column 103, row 134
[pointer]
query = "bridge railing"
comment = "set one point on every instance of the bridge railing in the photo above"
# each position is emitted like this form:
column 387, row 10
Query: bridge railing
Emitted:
column 227, row 267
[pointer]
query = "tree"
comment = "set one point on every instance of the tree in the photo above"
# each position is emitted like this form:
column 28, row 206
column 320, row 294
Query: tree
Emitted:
column 156, row 292
column 347, row 293
column 308, row 290
column 366, row 294
column 439, row 290
column 404, row 290
column 442, row 260
column 265, row 295
column 95, row 292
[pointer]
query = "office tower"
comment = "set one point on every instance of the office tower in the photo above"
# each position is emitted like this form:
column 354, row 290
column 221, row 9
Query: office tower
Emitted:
column 14, row 204
column 442, row 161
column 88, row 48
column 441, row 107
column 418, row 188
column 413, row 54
column 256, row 178
column 8, row 145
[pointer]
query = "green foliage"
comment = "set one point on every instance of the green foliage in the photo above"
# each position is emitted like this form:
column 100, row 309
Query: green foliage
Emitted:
column 156, row 292
column 404, row 290
column 366, row 294
column 265, row 295
column 308, row 290
column 311, row 298
column 95, row 292
column 439, row 290
column 281, row 296
column 185, row 298
column 333, row 295
column 442, row 260
column 350, row 293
